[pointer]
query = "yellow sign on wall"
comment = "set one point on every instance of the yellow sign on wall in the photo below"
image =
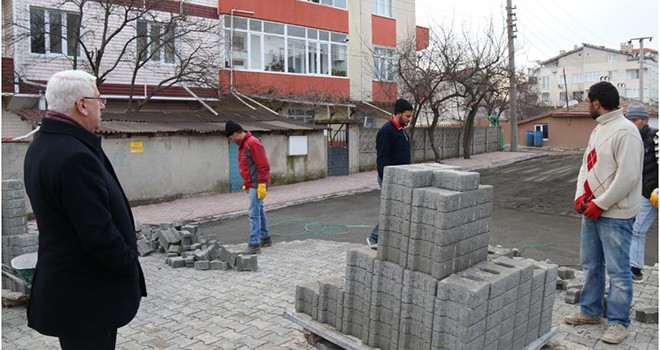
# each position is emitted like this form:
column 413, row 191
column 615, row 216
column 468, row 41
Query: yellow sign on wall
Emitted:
column 136, row 147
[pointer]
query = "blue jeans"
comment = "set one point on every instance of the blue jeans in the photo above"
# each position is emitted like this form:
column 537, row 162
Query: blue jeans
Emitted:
column 643, row 221
column 605, row 245
column 374, row 232
column 258, row 220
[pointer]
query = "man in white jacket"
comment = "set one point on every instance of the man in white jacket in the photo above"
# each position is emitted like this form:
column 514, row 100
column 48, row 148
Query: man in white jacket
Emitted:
column 607, row 196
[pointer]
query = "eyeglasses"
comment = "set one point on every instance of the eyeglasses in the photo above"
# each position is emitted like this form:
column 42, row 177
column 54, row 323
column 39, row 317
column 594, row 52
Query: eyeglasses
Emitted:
column 101, row 99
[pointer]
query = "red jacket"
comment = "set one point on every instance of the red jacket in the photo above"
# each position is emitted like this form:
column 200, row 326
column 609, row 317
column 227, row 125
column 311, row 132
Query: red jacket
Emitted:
column 252, row 162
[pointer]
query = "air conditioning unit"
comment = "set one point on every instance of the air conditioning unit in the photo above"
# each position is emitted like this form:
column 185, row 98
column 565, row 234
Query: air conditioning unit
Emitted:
column 368, row 122
column 561, row 86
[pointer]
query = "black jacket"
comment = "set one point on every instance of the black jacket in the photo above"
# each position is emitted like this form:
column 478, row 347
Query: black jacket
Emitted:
column 88, row 278
column 392, row 147
column 650, row 170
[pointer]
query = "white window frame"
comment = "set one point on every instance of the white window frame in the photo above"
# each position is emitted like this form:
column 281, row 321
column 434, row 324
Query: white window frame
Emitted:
column 46, row 31
column 611, row 57
column 542, row 127
column 384, row 8
column 161, row 59
column 332, row 3
column 383, row 64
column 317, row 40
column 545, row 82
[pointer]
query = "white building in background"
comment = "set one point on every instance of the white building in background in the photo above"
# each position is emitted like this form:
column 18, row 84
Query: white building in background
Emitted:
column 569, row 75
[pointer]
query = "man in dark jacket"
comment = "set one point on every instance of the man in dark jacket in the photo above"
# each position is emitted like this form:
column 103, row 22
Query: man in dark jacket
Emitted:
column 638, row 114
column 255, row 171
column 392, row 148
column 88, row 281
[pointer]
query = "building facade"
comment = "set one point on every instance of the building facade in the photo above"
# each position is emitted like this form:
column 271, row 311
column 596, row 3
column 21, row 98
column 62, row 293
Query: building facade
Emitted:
column 566, row 78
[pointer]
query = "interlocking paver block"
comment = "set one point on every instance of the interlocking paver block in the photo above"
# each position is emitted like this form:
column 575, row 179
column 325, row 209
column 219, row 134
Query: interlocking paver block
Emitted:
column 456, row 180
column 246, row 263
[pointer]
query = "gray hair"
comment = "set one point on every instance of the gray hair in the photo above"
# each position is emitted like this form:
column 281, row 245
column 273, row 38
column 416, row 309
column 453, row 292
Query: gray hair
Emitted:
column 66, row 87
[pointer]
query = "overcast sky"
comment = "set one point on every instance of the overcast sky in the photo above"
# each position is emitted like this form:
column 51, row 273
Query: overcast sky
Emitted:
column 545, row 27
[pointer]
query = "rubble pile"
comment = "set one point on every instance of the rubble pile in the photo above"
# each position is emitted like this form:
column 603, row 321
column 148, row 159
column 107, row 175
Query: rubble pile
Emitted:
column 184, row 247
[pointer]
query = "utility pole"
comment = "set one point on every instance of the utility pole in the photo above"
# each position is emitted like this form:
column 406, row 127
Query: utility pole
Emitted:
column 511, row 29
column 641, row 65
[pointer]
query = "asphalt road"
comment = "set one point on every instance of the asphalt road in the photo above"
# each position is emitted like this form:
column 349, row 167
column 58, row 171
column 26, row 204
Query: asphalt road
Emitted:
column 532, row 211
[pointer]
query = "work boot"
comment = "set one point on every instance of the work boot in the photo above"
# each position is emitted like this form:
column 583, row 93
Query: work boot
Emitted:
column 615, row 334
column 580, row 318
column 265, row 242
column 250, row 250
column 637, row 274
column 372, row 243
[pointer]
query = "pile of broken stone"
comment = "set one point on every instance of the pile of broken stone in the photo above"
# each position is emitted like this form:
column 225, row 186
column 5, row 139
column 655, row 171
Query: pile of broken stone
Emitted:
column 183, row 246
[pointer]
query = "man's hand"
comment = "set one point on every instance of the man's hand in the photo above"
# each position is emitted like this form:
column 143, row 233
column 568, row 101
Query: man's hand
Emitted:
column 261, row 191
column 581, row 203
column 654, row 198
column 593, row 211
column 246, row 189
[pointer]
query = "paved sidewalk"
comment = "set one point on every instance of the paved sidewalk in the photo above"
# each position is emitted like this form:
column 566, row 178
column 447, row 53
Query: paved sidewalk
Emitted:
column 190, row 309
column 220, row 205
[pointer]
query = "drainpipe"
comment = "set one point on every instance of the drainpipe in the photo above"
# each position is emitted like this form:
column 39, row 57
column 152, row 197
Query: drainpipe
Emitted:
column 198, row 99
column 257, row 103
column 377, row 108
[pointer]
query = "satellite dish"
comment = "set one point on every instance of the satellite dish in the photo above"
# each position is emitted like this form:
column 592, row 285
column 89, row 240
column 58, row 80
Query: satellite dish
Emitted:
column 572, row 102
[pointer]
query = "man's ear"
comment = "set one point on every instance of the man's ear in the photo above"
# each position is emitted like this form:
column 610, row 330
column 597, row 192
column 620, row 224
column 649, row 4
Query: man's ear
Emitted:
column 81, row 107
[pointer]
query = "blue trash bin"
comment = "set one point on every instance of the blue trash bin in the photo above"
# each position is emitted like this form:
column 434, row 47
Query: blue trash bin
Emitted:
column 530, row 138
column 538, row 138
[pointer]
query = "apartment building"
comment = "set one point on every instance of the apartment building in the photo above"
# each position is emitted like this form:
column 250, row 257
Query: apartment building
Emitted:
column 566, row 78
column 312, row 55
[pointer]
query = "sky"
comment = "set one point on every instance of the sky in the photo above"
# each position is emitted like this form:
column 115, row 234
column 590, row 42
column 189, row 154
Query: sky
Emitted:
column 546, row 27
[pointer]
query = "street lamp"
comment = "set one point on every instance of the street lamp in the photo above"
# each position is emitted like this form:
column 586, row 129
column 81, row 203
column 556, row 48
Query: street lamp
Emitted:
column 231, row 45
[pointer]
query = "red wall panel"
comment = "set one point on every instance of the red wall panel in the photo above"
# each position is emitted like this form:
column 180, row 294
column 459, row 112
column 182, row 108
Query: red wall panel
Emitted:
column 256, row 83
column 291, row 12
column 383, row 31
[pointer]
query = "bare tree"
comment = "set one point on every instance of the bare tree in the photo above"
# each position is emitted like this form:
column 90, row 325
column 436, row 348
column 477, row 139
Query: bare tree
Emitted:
column 425, row 77
column 112, row 37
column 482, row 76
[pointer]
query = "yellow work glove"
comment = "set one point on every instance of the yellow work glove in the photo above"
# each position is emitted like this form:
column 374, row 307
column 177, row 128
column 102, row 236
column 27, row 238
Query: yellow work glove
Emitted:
column 245, row 189
column 654, row 198
column 261, row 191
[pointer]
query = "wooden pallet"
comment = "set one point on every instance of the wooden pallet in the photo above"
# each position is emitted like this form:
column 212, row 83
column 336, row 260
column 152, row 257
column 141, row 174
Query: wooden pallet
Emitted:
column 327, row 337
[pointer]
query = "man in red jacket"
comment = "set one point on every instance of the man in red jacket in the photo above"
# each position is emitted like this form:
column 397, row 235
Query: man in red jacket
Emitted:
column 255, row 171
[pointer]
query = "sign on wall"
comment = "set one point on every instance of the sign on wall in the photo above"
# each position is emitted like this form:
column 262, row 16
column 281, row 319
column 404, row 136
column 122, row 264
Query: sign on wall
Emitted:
column 136, row 146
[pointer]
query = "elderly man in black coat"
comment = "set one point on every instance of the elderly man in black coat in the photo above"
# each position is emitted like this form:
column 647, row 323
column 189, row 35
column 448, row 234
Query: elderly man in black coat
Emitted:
column 88, row 281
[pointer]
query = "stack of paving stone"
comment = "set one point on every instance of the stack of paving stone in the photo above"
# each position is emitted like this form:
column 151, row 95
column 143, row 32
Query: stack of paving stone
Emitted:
column 184, row 248
column 431, row 284
column 16, row 239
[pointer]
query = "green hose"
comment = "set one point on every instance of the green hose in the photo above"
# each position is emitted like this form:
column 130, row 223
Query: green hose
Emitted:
column 292, row 228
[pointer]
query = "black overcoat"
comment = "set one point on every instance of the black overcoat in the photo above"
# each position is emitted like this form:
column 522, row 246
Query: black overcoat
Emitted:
column 88, row 278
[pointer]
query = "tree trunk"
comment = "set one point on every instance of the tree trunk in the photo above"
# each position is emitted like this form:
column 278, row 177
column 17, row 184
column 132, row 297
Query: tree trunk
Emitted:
column 468, row 131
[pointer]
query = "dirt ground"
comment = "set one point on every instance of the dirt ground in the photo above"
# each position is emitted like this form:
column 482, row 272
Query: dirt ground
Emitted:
column 532, row 211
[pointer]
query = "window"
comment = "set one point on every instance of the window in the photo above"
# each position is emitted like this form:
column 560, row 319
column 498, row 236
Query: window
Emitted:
column 54, row 32
column 545, row 97
column 545, row 81
column 613, row 74
column 562, row 79
column 335, row 3
column 562, row 96
column 611, row 57
column 383, row 64
column 155, row 42
column 383, row 8
column 543, row 128
column 578, row 95
column 275, row 47
column 591, row 76
column 301, row 114
column 632, row 73
column 577, row 78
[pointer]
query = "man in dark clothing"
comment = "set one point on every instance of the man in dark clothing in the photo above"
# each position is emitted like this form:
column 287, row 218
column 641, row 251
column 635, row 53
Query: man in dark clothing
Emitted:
column 255, row 171
column 392, row 148
column 88, row 281
column 638, row 114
